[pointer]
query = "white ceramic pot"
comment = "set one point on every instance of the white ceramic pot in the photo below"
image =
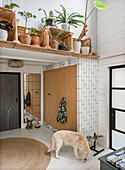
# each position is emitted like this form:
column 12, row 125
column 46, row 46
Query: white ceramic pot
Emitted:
column 85, row 50
column 3, row 34
column 65, row 26
column 76, row 46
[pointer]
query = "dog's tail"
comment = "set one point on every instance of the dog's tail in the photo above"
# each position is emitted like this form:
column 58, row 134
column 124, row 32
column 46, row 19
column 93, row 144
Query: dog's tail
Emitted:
column 52, row 145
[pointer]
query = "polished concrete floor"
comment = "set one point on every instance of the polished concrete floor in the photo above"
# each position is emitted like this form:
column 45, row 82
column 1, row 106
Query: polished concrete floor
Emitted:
column 67, row 159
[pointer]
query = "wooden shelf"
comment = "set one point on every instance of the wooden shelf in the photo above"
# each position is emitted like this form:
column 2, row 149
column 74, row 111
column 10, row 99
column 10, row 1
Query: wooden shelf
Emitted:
column 14, row 45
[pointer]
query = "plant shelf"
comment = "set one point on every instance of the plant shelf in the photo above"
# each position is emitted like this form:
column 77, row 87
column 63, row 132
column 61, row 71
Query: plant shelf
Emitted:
column 14, row 45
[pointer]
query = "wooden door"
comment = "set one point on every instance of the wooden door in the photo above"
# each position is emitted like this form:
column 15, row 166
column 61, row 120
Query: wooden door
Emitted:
column 58, row 83
column 9, row 101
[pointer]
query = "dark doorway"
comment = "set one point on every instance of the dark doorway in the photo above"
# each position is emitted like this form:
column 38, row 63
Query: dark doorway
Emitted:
column 117, row 107
column 10, row 114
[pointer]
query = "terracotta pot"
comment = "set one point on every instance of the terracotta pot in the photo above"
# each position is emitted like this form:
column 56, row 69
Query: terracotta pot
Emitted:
column 53, row 44
column 35, row 41
column 25, row 39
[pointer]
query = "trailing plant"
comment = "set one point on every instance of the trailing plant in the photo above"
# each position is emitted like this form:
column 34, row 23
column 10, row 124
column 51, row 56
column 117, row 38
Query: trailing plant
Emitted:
column 27, row 16
column 50, row 16
column 34, row 32
column 65, row 17
column 61, row 32
column 6, row 25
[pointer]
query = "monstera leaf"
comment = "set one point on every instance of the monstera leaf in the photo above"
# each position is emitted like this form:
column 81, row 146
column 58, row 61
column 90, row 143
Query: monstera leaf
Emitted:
column 99, row 5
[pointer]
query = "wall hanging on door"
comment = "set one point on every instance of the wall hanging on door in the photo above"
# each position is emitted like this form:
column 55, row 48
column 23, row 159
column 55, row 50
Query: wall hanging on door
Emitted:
column 62, row 117
column 28, row 99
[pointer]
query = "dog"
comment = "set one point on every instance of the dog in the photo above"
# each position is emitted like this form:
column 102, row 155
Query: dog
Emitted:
column 74, row 139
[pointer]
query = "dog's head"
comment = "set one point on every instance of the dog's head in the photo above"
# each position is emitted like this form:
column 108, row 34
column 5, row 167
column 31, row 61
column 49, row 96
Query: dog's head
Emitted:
column 84, row 150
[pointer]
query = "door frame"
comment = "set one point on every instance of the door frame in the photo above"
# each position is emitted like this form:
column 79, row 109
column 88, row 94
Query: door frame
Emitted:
column 19, row 91
column 111, row 110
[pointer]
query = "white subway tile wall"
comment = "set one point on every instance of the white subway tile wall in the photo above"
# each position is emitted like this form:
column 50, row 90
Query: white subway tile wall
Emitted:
column 87, row 102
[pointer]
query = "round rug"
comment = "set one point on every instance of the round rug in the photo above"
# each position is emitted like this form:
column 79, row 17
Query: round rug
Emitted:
column 23, row 154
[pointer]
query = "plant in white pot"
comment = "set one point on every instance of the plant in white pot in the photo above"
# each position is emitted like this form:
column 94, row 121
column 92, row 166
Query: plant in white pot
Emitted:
column 66, row 19
column 25, row 38
column 85, row 47
column 5, row 27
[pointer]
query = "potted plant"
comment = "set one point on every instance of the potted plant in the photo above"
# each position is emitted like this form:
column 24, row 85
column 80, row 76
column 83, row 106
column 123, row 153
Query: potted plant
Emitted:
column 49, row 20
column 5, row 27
column 11, row 5
column 53, row 41
column 35, row 37
column 99, row 5
column 66, row 19
column 25, row 38
column 85, row 47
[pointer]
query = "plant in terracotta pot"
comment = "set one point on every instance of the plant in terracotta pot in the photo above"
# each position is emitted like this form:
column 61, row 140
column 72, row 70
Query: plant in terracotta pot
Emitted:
column 35, row 37
column 99, row 5
column 25, row 38
column 85, row 47
column 49, row 20
column 5, row 27
column 53, row 41
column 66, row 19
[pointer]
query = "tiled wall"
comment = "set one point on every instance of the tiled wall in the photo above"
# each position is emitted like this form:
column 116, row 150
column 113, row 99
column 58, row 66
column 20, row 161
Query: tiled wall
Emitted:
column 87, row 93
column 87, row 96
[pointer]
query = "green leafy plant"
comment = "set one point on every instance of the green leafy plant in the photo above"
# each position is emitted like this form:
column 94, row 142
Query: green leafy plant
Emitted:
column 27, row 16
column 98, row 4
column 61, row 32
column 86, row 44
column 50, row 16
column 34, row 32
column 11, row 5
column 65, row 17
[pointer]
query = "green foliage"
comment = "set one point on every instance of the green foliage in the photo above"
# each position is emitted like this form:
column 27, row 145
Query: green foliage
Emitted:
column 86, row 44
column 27, row 16
column 61, row 32
column 50, row 16
column 63, row 17
column 98, row 4
column 11, row 5
column 34, row 32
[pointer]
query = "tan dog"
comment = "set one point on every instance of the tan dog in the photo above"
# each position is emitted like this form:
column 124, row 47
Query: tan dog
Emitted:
column 74, row 139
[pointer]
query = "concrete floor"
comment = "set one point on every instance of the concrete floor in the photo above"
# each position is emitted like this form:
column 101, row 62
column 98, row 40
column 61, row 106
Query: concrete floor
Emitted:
column 67, row 159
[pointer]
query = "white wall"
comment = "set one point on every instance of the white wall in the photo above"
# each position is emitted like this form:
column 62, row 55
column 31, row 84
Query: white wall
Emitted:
column 26, row 69
column 111, row 48
column 70, row 5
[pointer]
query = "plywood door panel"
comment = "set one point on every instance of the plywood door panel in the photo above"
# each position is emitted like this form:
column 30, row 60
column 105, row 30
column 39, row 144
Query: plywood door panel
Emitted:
column 63, row 82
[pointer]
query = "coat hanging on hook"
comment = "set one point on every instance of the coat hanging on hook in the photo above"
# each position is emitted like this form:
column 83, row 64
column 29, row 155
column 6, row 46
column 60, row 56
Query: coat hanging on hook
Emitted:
column 62, row 117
